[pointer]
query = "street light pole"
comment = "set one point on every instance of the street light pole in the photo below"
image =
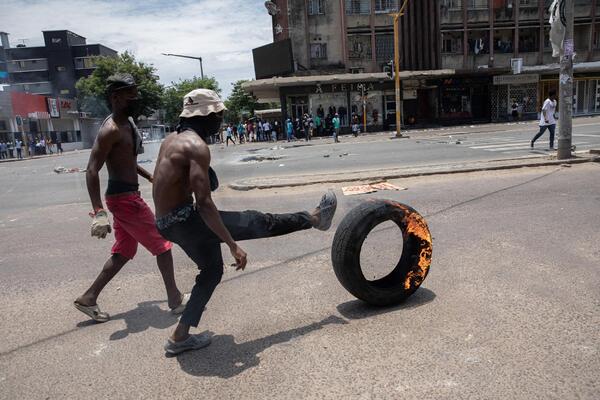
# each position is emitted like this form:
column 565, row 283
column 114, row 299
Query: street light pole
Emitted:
column 566, row 87
column 191, row 57
column 396, row 17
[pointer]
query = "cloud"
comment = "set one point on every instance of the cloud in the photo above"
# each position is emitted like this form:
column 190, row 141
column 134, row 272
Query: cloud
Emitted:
column 222, row 32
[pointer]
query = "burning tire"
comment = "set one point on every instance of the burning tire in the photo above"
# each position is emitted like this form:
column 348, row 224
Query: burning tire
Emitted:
column 412, row 268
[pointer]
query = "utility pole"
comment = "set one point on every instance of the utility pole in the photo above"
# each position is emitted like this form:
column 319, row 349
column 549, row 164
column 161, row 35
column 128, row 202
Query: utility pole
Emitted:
column 566, row 86
column 193, row 58
column 396, row 17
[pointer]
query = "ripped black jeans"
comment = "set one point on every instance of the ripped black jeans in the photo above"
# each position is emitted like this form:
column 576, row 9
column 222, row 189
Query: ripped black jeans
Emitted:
column 185, row 227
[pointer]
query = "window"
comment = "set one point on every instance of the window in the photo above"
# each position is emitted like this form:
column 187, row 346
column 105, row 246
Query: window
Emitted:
column 384, row 47
column 529, row 3
column 60, row 68
column 452, row 42
column 478, row 4
column 316, row 7
column 22, row 64
column 56, row 40
column 318, row 51
column 383, row 6
column 359, row 47
column 529, row 40
column 358, row 7
column 597, row 37
column 451, row 4
column 3, row 126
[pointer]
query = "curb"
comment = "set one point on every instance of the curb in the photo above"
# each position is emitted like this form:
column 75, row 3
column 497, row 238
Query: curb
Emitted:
column 395, row 174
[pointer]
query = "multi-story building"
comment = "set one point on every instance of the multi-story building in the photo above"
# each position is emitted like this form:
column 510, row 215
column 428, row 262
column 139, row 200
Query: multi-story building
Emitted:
column 40, row 83
column 456, row 59
column 480, row 38
column 52, row 69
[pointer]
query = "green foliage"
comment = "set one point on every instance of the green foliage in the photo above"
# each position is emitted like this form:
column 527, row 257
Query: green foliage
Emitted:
column 173, row 95
column 240, row 103
column 92, row 93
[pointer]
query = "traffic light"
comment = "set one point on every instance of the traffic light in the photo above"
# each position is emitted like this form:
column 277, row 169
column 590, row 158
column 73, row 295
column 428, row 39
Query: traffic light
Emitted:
column 389, row 69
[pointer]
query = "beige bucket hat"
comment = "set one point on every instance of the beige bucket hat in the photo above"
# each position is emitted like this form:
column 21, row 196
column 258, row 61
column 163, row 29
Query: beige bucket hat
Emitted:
column 200, row 103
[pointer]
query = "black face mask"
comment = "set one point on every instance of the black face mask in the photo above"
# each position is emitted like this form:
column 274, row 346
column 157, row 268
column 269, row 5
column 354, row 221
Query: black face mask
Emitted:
column 133, row 108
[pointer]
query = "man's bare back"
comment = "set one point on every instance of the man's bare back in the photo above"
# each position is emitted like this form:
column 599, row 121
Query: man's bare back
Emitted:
column 172, row 186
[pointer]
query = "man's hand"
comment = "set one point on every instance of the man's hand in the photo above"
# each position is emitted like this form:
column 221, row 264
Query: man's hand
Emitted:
column 240, row 257
column 100, row 224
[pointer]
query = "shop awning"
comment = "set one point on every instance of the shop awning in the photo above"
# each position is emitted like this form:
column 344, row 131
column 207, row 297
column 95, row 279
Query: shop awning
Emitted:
column 582, row 67
column 274, row 112
column 277, row 82
column 267, row 90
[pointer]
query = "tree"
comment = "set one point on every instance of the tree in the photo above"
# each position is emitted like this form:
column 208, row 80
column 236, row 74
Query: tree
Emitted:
column 92, row 90
column 173, row 95
column 241, row 102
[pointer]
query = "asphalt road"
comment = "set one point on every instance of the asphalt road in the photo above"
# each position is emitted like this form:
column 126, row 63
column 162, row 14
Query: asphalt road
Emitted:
column 509, row 310
column 233, row 163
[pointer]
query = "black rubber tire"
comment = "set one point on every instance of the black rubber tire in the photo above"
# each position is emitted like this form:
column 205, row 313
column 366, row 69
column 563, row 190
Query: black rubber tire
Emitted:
column 412, row 268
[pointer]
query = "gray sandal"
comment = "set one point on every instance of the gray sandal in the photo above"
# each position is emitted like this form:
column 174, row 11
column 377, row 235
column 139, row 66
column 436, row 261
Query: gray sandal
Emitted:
column 326, row 210
column 93, row 312
column 193, row 342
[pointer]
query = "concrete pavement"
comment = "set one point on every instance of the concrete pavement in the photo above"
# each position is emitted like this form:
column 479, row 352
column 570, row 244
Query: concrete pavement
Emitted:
column 509, row 310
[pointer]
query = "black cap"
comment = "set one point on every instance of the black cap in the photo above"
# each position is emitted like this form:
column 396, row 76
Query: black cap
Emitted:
column 119, row 81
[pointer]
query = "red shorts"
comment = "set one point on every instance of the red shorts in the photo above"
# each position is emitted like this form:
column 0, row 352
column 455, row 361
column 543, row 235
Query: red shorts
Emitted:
column 134, row 223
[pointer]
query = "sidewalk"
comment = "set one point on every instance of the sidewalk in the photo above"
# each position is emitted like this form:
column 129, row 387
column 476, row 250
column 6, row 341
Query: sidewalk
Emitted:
column 406, row 172
column 66, row 153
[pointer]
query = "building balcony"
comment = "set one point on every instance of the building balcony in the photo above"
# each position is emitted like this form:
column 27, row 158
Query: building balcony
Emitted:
column 32, row 88
column 452, row 61
column 29, row 76
column 33, row 65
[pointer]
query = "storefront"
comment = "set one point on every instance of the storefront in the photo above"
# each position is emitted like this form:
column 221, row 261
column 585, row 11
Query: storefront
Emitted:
column 370, row 97
column 358, row 99
column 464, row 100
column 518, row 90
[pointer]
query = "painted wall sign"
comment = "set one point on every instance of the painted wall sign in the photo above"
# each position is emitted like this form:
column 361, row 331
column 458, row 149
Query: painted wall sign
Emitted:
column 516, row 79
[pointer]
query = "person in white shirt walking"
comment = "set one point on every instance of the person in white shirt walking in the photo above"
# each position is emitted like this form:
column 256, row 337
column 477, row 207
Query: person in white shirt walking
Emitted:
column 547, row 119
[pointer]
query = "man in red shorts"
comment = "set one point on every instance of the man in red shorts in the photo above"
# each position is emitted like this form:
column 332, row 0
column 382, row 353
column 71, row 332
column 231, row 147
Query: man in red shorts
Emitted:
column 118, row 144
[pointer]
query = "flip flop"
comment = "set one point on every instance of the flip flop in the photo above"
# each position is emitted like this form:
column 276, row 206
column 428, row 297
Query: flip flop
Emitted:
column 93, row 312
column 179, row 309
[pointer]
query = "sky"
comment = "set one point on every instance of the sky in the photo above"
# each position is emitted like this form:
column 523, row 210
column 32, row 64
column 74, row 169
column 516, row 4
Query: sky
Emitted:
column 222, row 32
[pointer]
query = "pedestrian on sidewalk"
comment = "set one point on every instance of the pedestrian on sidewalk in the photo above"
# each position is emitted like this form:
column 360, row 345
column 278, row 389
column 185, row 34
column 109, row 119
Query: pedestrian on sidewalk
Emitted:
column 59, row 149
column 547, row 119
column 515, row 110
column 290, row 130
column 336, row 128
column 183, row 174
column 11, row 147
column 2, row 150
column 117, row 145
column 229, row 135
column 49, row 145
column 19, row 148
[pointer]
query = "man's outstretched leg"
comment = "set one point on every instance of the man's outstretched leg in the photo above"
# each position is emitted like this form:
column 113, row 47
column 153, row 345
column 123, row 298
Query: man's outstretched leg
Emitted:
column 86, row 303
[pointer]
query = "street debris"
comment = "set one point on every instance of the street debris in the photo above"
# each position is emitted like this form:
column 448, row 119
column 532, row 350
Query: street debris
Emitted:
column 63, row 170
column 327, row 155
column 359, row 189
column 369, row 188
column 261, row 158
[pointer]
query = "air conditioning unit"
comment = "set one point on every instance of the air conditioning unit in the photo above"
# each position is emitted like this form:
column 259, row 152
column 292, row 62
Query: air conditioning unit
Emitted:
column 517, row 65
